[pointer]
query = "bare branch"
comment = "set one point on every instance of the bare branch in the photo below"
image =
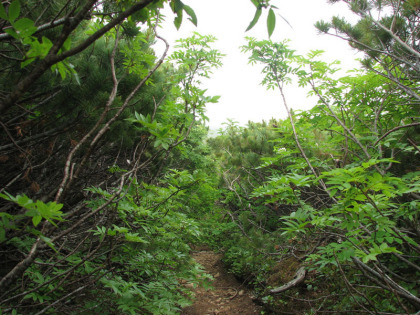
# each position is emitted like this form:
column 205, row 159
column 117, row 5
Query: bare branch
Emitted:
column 395, row 129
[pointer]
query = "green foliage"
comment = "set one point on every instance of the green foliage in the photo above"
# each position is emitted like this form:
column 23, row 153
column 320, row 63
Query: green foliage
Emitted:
column 37, row 211
column 276, row 58
column 160, row 131
column 124, row 252
column 142, row 183
column 246, row 257
column 178, row 7
column 386, row 40
column 271, row 22
column 154, row 253
column 343, row 196
column 271, row 17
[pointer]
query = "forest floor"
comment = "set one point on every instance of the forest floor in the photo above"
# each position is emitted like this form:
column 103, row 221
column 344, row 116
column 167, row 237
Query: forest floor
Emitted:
column 227, row 296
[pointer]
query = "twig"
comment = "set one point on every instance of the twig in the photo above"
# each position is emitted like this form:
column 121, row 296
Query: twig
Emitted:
column 395, row 129
column 413, row 144
column 67, row 178
column 351, row 288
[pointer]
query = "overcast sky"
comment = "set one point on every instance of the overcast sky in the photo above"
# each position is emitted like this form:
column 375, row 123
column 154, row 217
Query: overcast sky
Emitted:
column 237, row 82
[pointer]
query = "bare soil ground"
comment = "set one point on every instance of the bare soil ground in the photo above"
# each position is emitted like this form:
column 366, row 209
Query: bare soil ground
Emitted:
column 227, row 297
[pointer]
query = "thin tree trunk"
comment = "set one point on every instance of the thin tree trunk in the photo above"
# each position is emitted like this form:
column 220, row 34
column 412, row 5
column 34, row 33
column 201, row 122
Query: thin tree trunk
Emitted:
column 321, row 182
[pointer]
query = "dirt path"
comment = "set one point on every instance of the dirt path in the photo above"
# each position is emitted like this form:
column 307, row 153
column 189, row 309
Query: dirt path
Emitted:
column 228, row 296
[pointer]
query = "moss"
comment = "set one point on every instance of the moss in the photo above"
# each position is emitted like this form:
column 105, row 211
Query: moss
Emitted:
column 283, row 272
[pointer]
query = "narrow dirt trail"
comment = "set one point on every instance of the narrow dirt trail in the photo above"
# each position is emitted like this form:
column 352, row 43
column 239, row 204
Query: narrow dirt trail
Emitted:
column 227, row 297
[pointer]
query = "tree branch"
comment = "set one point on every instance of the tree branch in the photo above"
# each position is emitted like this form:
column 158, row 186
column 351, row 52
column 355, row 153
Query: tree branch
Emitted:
column 298, row 278
column 395, row 129
column 53, row 57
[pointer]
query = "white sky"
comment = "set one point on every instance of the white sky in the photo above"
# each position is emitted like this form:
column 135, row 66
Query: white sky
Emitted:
column 238, row 83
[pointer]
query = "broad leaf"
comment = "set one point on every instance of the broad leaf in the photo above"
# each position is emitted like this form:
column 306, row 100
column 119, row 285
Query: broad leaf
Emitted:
column 14, row 10
column 254, row 20
column 12, row 33
column 36, row 219
column 271, row 22
column 67, row 44
column 191, row 13
column 178, row 20
column 25, row 27
column 177, row 6
column 3, row 13
column 23, row 24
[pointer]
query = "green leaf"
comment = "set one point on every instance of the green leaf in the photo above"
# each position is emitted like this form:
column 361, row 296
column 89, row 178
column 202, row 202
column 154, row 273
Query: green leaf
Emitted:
column 23, row 24
column 271, row 22
column 255, row 19
column 191, row 13
column 142, row 15
column 255, row 2
column 6, row 196
column 46, row 46
column 12, row 33
column 3, row 13
column 48, row 242
column 178, row 20
column 177, row 6
column 61, row 69
column 214, row 99
column 26, row 62
column 36, row 219
column 25, row 27
column 24, row 201
column 67, row 43
column 14, row 10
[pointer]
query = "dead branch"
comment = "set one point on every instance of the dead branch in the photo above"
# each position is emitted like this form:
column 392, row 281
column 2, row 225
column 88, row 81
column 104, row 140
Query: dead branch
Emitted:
column 299, row 277
column 380, row 278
